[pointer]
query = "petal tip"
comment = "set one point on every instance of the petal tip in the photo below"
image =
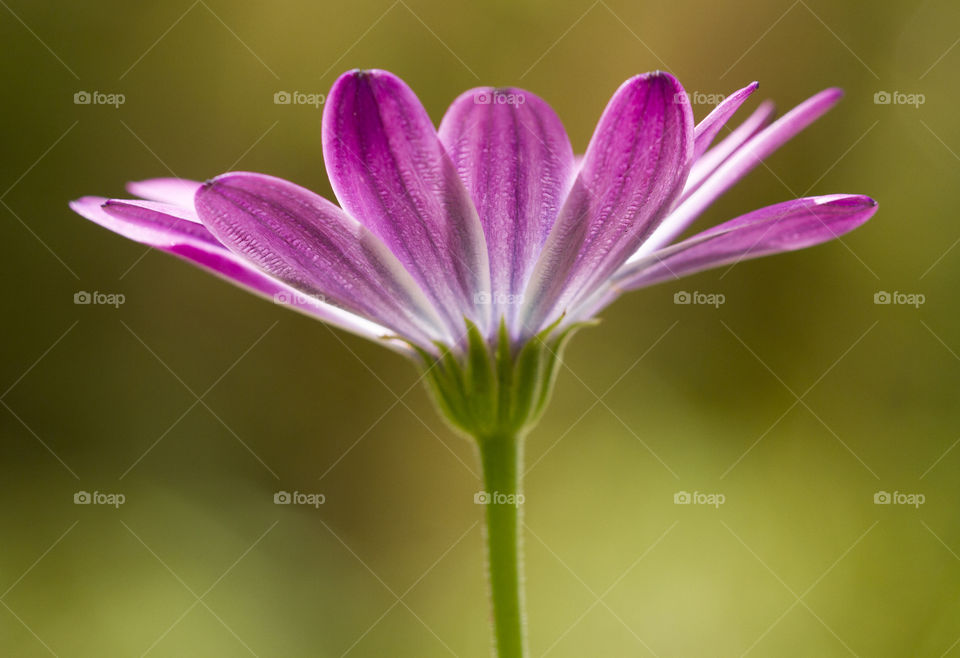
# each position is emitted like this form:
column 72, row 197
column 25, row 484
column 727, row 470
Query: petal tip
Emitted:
column 863, row 199
column 221, row 180
column 85, row 204
column 661, row 77
column 76, row 204
column 359, row 74
column 652, row 77
column 364, row 74
column 835, row 94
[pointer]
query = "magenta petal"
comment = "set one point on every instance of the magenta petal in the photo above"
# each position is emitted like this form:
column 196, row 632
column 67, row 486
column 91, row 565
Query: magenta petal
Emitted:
column 706, row 130
column 175, row 191
column 634, row 168
column 514, row 157
column 309, row 243
column 195, row 244
column 390, row 171
column 782, row 227
column 741, row 162
column 707, row 163
column 158, row 224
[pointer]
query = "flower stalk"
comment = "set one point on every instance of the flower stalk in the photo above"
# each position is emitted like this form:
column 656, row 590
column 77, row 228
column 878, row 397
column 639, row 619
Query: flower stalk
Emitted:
column 502, row 460
column 494, row 392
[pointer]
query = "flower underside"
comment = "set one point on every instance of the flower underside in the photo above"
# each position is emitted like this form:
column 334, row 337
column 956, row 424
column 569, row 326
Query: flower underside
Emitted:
column 500, row 391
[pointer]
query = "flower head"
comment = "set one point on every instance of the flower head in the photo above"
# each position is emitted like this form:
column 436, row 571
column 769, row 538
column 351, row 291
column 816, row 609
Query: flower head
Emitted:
column 487, row 235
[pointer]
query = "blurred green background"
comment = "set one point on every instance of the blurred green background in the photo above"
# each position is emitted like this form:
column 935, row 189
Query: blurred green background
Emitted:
column 798, row 399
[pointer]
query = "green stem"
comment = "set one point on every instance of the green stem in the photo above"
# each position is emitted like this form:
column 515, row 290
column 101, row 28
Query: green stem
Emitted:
column 502, row 458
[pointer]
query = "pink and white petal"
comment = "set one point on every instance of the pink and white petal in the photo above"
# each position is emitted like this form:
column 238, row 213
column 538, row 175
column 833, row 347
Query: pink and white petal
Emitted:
column 177, row 212
column 633, row 170
column 775, row 229
column 390, row 171
column 195, row 244
column 741, row 162
column 705, row 131
column 707, row 163
column 149, row 222
column 230, row 267
column 514, row 157
column 174, row 191
column 300, row 238
column 701, row 170
column 778, row 228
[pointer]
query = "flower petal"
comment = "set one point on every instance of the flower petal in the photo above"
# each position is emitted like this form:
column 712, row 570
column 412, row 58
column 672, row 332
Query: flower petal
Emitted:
column 390, row 171
column 634, row 168
column 174, row 191
column 782, row 227
column 514, row 157
column 707, row 130
column 195, row 244
column 157, row 224
column 741, row 162
column 707, row 163
column 302, row 239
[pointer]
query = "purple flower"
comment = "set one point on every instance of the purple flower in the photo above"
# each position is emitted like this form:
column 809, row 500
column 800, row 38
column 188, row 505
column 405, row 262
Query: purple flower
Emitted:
column 491, row 221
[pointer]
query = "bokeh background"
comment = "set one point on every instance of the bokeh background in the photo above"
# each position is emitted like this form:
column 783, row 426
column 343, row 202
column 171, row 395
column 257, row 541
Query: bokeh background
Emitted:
column 798, row 399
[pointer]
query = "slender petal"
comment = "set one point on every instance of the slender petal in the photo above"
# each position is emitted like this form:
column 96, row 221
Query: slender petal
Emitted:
column 174, row 191
column 389, row 169
column 307, row 242
column 782, row 227
column 634, row 168
column 514, row 157
column 193, row 243
column 742, row 162
column 707, row 163
column 706, row 130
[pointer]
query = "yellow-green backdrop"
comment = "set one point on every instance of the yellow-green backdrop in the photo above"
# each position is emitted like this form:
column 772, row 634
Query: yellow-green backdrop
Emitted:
column 799, row 399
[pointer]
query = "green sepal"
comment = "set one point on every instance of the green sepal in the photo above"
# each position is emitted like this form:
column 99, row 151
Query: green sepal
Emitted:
column 443, row 384
column 504, row 357
column 489, row 390
column 559, row 344
column 481, row 383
